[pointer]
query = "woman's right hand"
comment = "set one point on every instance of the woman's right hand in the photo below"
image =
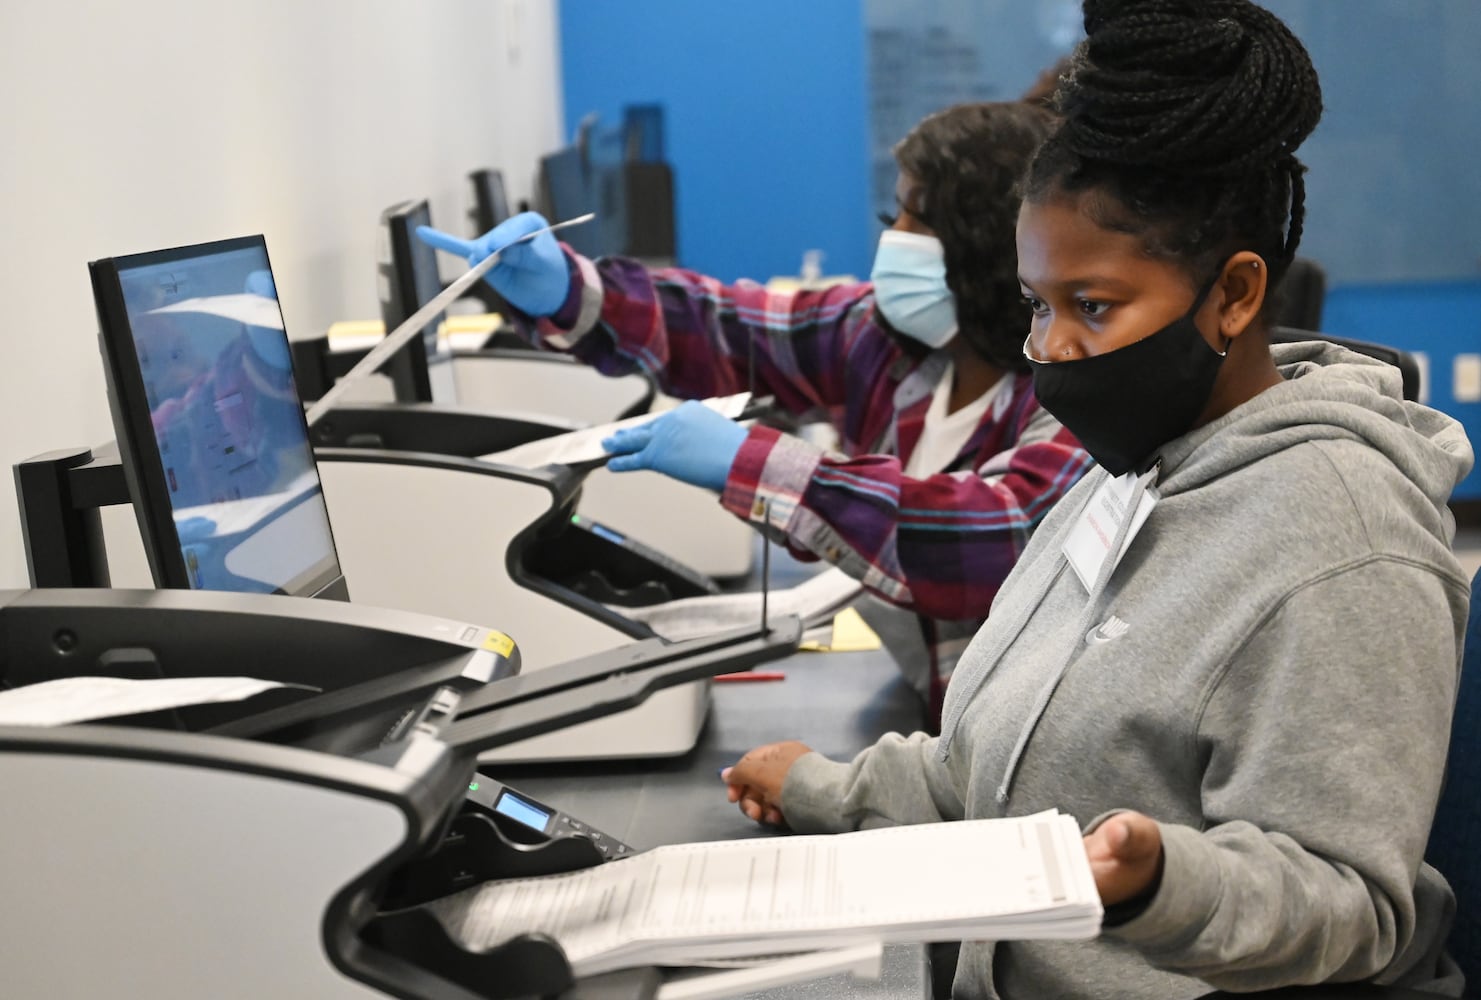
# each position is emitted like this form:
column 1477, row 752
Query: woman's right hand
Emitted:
column 532, row 276
column 755, row 782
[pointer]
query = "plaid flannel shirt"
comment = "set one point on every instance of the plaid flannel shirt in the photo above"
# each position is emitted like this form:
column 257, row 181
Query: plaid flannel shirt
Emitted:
column 938, row 546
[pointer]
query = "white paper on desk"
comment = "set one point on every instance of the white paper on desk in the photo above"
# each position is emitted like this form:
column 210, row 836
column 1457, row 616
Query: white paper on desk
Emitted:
column 1015, row 878
column 585, row 445
column 78, row 699
column 815, row 600
column 254, row 310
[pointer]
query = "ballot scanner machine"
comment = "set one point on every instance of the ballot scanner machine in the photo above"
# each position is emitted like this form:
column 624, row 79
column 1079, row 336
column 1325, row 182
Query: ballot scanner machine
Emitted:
column 227, row 494
column 284, row 846
column 499, row 397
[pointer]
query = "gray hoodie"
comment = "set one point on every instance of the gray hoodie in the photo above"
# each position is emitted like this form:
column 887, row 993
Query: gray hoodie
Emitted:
column 1276, row 693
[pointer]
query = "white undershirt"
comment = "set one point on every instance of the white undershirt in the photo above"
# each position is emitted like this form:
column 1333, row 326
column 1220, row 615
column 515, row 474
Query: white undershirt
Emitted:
column 944, row 434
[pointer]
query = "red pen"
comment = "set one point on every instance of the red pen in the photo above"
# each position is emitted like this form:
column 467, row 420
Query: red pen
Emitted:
column 751, row 675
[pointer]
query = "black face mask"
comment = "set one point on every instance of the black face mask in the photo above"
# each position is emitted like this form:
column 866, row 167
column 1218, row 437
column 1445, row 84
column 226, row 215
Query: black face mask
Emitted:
column 1126, row 404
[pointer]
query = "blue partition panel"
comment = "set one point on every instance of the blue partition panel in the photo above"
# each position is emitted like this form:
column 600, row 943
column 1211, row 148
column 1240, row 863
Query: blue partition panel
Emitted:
column 1438, row 319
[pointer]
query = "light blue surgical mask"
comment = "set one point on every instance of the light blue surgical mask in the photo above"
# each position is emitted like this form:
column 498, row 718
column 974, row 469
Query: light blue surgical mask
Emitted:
column 910, row 290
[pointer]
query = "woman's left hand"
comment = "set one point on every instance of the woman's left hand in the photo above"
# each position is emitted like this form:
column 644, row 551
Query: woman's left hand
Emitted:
column 1125, row 856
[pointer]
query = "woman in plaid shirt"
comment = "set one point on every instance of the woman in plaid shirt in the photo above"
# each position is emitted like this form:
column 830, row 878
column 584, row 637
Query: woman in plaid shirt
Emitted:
column 947, row 461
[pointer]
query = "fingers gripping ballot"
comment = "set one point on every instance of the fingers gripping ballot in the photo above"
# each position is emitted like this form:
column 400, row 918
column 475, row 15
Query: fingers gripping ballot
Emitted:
column 755, row 782
column 691, row 443
column 532, row 276
column 1125, row 857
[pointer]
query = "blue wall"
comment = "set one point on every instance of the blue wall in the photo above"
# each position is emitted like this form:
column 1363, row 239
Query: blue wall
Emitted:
column 1393, row 188
column 766, row 121
column 1436, row 319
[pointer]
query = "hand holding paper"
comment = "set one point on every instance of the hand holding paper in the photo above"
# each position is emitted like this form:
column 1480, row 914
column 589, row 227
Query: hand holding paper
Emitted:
column 692, row 443
column 1125, row 855
column 532, row 276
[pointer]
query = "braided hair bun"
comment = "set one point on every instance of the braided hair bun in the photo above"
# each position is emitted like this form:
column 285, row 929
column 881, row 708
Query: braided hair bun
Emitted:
column 1206, row 86
column 1188, row 113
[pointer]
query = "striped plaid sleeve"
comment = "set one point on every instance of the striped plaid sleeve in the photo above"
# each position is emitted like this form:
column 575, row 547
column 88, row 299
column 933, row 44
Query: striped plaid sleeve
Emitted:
column 940, row 545
column 699, row 337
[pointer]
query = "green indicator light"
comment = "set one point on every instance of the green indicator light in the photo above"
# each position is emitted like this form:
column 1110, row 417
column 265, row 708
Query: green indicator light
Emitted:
column 575, row 518
column 473, row 786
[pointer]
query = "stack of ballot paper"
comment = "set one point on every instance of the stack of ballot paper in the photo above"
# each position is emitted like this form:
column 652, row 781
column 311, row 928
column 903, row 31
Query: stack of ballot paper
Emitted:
column 815, row 600
column 696, row 904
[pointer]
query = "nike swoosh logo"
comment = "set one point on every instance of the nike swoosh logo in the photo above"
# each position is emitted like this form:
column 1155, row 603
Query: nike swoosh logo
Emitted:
column 1111, row 628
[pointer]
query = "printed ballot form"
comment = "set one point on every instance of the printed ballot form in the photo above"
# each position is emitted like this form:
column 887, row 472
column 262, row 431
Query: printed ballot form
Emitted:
column 816, row 600
column 689, row 904
column 81, row 699
column 585, row 445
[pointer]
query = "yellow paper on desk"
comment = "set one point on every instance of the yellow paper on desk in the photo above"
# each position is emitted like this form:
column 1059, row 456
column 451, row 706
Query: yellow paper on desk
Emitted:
column 851, row 634
column 472, row 323
column 356, row 334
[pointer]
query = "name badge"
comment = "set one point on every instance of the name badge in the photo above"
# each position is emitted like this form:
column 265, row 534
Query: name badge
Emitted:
column 1089, row 543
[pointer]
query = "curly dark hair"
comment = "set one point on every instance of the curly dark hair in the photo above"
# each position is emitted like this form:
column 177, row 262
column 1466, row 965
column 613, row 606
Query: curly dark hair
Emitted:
column 1181, row 122
column 970, row 160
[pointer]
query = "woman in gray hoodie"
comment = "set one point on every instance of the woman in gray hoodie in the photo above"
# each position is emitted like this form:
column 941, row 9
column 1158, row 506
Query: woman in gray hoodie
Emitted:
column 1233, row 649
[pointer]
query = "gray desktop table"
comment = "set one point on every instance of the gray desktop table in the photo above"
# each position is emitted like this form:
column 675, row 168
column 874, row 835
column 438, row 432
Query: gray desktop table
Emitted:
column 837, row 703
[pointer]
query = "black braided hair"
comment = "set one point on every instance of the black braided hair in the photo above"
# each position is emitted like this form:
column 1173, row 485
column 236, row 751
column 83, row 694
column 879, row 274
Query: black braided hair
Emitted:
column 1181, row 120
column 970, row 161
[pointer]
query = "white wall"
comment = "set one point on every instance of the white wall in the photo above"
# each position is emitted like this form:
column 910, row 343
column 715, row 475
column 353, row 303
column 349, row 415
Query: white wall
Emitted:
column 138, row 125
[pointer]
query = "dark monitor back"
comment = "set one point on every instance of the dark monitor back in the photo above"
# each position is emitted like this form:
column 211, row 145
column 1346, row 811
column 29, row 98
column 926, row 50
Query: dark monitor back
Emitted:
column 209, row 423
column 490, row 203
column 568, row 189
column 408, row 279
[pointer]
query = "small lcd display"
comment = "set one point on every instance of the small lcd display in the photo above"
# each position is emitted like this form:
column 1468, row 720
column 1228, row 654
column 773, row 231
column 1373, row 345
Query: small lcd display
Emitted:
column 602, row 531
column 521, row 811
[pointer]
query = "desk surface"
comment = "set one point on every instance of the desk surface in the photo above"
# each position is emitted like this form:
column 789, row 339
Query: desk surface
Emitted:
column 838, row 703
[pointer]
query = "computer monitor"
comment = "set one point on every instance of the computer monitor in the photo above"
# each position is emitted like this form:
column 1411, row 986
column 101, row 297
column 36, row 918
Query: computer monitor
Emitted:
column 490, row 204
column 210, row 428
column 568, row 189
column 421, row 371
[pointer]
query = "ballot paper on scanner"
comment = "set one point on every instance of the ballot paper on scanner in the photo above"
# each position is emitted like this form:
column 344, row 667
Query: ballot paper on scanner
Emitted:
column 584, row 446
column 815, row 600
column 1017, row 878
column 79, row 699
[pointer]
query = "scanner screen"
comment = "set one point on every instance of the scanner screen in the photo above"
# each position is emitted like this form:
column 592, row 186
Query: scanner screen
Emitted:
column 520, row 811
column 240, row 475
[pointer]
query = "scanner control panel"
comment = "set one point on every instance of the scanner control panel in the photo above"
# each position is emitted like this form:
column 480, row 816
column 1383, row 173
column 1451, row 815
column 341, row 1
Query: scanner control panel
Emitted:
column 525, row 818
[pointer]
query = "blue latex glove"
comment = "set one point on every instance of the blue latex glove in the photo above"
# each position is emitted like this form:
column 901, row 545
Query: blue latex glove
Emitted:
column 692, row 443
column 532, row 276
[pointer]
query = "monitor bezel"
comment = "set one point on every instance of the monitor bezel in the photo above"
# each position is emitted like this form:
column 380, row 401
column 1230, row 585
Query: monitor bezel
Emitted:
column 489, row 208
column 143, row 465
column 408, row 368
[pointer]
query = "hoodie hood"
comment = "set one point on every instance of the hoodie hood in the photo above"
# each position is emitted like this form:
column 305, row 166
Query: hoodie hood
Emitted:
column 1329, row 393
column 1230, row 471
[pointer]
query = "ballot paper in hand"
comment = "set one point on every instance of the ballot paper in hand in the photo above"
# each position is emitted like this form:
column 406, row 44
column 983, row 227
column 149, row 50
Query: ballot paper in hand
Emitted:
column 79, row 699
column 997, row 879
column 584, row 446
column 815, row 600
